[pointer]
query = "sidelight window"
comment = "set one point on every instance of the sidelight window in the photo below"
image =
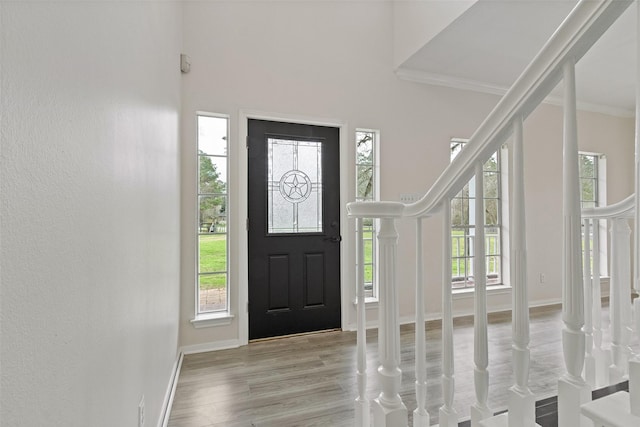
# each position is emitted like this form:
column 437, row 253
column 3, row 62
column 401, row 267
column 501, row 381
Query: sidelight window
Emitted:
column 212, row 226
column 367, row 179
column 592, row 173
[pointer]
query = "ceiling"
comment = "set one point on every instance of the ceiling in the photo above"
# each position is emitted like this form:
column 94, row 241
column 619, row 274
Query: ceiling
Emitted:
column 489, row 45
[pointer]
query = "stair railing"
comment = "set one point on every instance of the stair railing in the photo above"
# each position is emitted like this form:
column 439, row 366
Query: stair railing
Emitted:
column 607, row 367
column 575, row 36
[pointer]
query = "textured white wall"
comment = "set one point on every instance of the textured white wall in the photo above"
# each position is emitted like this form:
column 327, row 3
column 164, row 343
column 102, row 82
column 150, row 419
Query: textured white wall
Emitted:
column 335, row 59
column 89, row 207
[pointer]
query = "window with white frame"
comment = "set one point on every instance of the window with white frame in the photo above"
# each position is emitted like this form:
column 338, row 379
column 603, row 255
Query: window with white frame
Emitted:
column 213, row 201
column 367, row 178
column 463, row 224
column 592, row 172
column 588, row 173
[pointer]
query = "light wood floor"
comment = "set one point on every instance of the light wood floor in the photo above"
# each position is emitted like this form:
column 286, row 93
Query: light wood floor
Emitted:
column 310, row 380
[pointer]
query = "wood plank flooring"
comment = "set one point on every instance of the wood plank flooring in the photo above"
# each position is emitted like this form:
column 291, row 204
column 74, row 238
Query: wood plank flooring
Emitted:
column 310, row 380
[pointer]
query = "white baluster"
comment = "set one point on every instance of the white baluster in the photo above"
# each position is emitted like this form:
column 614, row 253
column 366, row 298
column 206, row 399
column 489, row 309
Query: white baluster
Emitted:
column 480, row 410
column 620, row 307
column 590, row 361
column 420, row 414
column 572, row 389
column 388, row 409
column 362, row 403
column 521, row 401
column 621, row 408
column 448, row 417
column 602, row 357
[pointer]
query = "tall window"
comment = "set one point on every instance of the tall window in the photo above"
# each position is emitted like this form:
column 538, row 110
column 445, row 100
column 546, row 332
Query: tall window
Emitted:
column 588, row 180
column 212, row 260
column 367, row 190
column 590, row 197
column 463, row 225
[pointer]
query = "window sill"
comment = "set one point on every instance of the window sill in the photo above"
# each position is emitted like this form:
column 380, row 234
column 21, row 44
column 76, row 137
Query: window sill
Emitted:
column 212, row 319
column 369, row 302
column 493, row 290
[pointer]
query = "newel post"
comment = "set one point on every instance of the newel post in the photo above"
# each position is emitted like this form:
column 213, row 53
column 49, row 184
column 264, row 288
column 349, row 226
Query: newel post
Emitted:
column 388, row 410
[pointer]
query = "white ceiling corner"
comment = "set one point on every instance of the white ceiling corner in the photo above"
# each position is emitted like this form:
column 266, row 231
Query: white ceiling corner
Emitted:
column 486, row 48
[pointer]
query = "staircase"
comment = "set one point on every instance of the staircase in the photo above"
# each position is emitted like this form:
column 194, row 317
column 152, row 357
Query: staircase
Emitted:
column 586, row 362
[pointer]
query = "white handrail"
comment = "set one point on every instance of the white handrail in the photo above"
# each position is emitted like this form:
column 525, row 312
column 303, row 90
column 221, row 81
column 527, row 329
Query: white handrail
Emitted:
column 578, row 32
column 622, row 209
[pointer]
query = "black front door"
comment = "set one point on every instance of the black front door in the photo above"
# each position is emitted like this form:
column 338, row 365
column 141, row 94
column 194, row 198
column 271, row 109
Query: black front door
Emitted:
column 294, row 228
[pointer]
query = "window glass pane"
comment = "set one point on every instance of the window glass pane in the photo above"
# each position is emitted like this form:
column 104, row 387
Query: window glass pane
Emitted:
column 365, row 181
column 295, row 186
column 493, row 270
column 213, row 174
column 213, row 253
column 457, row 243
column 491, row 185
column 364, row 147
column 212, row 292
column 456, row 148
column 211, row 209
column 587, row 190
column 491, row 212
column 492, row 236
column 310, row 214
column 469, row 243
column 456, row 211
column 587, row 166
column 492, row 163
column 464, row 205
column 212, row 135
column 212, row 258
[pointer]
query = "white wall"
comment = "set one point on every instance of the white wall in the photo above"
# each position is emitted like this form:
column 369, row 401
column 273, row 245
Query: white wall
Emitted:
column 335, row 60
column 416, row 22
column 89, row 209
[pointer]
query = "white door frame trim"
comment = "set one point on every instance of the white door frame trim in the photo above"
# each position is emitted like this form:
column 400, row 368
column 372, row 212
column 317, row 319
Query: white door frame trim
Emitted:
column 242, row 188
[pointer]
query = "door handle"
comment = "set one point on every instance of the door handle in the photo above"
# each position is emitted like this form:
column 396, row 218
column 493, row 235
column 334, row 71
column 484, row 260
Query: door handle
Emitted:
column 334, row 239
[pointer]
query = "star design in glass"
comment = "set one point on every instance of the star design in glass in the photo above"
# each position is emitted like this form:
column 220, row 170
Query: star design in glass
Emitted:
column 295, row 186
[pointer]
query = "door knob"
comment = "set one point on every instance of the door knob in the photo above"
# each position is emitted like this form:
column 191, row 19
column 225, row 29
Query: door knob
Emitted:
column 334, row 239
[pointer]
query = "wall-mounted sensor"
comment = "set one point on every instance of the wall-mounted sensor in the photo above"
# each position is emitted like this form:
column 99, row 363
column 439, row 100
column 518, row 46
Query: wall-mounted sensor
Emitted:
column 185, row 63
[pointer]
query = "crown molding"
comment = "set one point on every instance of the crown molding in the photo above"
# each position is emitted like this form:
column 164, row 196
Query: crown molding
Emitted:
column 434, row 79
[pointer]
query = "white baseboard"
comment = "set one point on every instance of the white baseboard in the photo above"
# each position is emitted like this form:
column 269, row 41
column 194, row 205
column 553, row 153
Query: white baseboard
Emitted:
column 210, row 346
column 163, row 421
column 405, row 320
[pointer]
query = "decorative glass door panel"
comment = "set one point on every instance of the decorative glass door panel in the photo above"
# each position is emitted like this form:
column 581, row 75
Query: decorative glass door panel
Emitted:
column 294, row 186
